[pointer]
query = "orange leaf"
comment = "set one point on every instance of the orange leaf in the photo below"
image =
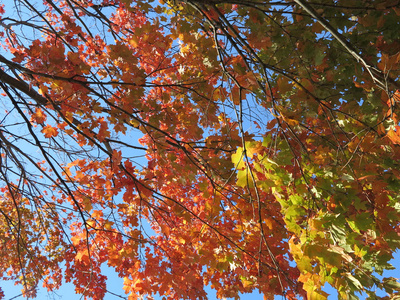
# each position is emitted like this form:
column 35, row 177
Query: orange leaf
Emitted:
column 82, row 255
column 38, row 117
column 394, row 135
column 49, row 131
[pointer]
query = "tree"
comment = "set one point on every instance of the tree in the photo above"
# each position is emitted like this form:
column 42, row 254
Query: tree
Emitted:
column 268, row 155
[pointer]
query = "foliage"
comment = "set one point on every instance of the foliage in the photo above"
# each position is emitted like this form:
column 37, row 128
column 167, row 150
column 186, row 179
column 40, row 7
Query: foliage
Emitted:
column 268, row 156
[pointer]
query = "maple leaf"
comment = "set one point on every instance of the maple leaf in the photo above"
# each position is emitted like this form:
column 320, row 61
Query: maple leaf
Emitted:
column 39, row 116
column 82, row 255
column 50, row 131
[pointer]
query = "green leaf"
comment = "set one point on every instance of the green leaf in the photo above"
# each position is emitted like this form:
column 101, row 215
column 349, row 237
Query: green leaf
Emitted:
column 338, row 233
column 319, row 56
column 391, row 284
column 353, row 281
column 393, row 239
column 347, row 177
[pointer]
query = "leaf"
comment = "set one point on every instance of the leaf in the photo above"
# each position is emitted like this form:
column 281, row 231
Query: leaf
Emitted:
column 50, row 131
column 246, row 282
column 353, row 281
column 237, row 159
column 87, row 203
column 244, row 179
column 347, row 177
column 39, row 117
column 319, row 56
column 82, row 255
column 391, row 283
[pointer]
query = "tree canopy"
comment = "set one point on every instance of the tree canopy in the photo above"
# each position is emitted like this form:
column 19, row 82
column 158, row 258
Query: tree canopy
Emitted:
column 239, row 144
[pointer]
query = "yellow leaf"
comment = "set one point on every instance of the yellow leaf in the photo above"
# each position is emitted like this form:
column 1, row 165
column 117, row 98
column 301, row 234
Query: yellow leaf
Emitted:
column 237, row 158
column 87, row 203
column 108, row 225
column 82, row 255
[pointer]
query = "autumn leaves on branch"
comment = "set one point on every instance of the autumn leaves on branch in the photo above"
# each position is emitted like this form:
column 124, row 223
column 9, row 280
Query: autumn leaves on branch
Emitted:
column 240, row 145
